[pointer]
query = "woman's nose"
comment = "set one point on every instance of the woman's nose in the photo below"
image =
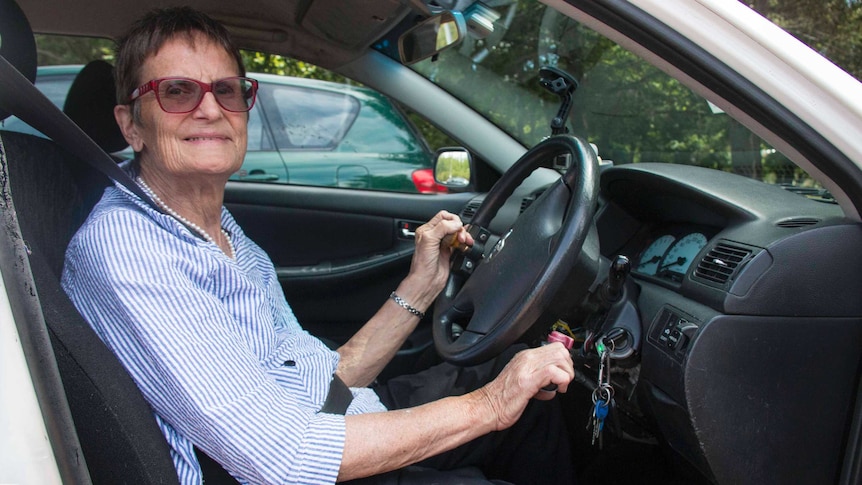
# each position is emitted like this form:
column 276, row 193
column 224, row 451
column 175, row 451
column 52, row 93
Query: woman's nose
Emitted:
column 209, row 106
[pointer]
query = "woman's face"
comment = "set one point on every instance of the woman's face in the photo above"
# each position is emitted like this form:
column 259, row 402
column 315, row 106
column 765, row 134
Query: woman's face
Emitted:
column 208, row 141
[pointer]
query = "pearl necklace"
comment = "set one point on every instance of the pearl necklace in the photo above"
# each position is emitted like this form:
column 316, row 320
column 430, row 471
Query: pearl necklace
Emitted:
column 185, row 221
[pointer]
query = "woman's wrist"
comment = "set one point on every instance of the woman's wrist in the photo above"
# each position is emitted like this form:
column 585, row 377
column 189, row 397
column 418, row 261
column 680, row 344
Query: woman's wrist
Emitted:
column 481, row 411
column 406, row 305
column 416, row 294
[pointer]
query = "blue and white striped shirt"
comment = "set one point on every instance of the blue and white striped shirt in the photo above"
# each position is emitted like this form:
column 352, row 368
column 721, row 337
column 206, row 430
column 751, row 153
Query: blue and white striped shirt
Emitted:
column 211, row 342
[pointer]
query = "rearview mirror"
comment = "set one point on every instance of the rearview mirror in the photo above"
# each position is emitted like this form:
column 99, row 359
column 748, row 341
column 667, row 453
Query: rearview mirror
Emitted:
column 453, row 168
column 432, row 36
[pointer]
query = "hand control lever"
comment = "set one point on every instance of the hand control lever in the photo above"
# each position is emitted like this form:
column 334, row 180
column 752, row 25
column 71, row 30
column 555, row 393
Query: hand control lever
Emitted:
column 466, row 257
column 474, row 251
column 568, row 343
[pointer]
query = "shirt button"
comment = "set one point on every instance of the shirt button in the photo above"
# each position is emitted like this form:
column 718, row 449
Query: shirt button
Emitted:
column 289, row 363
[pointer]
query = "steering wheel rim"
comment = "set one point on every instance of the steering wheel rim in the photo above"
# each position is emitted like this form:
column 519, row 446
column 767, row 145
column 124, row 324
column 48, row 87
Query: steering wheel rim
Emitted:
column 552, row 243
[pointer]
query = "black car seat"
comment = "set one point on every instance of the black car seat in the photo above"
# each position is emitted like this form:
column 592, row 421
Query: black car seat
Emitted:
column 90, row 104
column 51, row 194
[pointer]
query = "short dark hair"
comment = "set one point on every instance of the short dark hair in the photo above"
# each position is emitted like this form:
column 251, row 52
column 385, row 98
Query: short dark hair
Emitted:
column 152, row 31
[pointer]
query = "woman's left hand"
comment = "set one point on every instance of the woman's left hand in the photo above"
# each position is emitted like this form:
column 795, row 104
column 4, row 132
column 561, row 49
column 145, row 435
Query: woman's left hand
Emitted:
column 365, row 354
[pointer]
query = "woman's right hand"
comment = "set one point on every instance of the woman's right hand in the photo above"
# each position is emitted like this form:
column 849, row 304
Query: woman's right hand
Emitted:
column 523, row 379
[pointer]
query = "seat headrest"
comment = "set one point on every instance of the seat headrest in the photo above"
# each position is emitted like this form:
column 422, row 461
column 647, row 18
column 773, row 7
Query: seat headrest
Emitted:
column 17, row 44
column 90, row 104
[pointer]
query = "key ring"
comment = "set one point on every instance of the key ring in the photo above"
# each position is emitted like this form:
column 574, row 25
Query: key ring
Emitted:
column 605, row 393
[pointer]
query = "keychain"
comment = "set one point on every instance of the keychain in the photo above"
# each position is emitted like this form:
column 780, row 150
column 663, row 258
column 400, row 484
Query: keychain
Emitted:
column 602, row 396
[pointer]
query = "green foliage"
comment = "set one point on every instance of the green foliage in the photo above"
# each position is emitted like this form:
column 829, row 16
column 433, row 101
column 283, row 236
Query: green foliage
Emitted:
column 54, row 50
column 631, row 110
column 831, row 27
column 454, row 166
column 435, row 138
column 286, row 66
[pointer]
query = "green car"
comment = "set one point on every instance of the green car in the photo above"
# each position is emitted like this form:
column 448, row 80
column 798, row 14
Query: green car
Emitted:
column 310, row 132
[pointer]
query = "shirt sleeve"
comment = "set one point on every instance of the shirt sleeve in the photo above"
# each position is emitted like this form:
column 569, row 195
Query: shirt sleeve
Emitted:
column 142, row 293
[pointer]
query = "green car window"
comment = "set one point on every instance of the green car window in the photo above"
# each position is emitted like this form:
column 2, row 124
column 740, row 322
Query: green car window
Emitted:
column 310, row 119
column 329, row 134
column 380, row 128
column 259, row 138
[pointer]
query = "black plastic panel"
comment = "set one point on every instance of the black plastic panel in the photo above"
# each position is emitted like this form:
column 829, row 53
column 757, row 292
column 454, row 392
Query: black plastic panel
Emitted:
column 814, row 272
column 770, row 398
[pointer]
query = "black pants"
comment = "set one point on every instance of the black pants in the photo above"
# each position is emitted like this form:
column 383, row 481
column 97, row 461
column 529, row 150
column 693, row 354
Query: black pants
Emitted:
column 533, row 451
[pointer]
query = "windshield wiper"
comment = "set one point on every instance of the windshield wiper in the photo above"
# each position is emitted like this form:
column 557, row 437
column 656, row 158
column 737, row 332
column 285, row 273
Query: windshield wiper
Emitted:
column 821, row 195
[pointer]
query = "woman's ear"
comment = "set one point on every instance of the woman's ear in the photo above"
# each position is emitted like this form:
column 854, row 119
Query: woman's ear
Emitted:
column 125, row 119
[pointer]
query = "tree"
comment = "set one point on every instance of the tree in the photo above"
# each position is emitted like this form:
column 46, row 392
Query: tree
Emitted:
column 831, row 27
column 631, row 110
column 287, row 66
column 53, row 50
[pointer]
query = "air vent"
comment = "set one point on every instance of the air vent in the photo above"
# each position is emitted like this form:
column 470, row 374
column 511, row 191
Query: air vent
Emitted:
column 721, row 262
column 526, row 203
column 797, row 222
column 470, row 211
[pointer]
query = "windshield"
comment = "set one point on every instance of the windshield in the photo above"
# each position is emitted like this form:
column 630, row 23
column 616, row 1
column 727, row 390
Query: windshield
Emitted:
column 631, row 111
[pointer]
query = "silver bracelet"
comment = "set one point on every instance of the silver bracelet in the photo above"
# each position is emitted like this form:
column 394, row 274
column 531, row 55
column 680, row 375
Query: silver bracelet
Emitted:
column 403, row 304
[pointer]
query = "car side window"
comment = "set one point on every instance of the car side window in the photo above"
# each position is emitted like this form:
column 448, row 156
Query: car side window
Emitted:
column 259, row 138
column 303, row 131
column 333, row 134
column 380, row 128
column 54, row 88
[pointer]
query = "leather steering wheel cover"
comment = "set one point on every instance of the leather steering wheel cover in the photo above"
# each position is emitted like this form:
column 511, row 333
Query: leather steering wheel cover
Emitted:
column 581, row 182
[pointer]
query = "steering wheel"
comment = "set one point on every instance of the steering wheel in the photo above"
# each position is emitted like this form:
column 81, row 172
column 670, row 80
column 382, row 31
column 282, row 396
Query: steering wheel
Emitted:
column 552, row 244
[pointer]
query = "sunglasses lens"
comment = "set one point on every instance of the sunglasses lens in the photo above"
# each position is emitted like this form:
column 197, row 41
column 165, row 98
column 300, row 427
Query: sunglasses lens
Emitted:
column 235, row 94
column 179, row 95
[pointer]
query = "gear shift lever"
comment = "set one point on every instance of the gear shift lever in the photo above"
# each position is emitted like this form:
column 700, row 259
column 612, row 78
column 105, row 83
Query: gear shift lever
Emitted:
column 613, row 288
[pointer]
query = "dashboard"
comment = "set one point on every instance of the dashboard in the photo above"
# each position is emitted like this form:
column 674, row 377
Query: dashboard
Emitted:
column 737, row 284
column 748, row 301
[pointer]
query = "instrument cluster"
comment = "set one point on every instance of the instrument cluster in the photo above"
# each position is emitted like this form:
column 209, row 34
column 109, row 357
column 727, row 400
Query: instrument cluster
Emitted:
column 669, row 255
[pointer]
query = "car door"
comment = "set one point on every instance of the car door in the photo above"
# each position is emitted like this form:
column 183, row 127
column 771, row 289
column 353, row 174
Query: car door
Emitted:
column 338, row 252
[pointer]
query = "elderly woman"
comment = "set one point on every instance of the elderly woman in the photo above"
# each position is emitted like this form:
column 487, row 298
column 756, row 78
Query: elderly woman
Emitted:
column 194, row 311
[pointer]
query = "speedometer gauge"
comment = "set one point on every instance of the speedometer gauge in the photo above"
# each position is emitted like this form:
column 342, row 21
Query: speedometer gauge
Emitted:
column 678, row 259
column 652, row 255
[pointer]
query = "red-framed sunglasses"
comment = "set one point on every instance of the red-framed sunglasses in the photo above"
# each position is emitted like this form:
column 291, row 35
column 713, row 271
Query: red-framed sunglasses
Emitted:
column 184, row 95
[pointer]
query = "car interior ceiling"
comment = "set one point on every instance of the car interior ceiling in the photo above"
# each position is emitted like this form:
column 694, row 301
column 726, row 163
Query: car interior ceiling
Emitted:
column 52, row 192
column 328, row 33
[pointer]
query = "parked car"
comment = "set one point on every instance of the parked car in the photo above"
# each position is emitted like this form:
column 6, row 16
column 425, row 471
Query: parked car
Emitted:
column 309, row 132
column 711, row 252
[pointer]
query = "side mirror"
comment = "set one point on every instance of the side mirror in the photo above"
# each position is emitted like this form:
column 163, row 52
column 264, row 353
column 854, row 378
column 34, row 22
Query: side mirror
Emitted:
column 432, row 36
column 453, row 169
